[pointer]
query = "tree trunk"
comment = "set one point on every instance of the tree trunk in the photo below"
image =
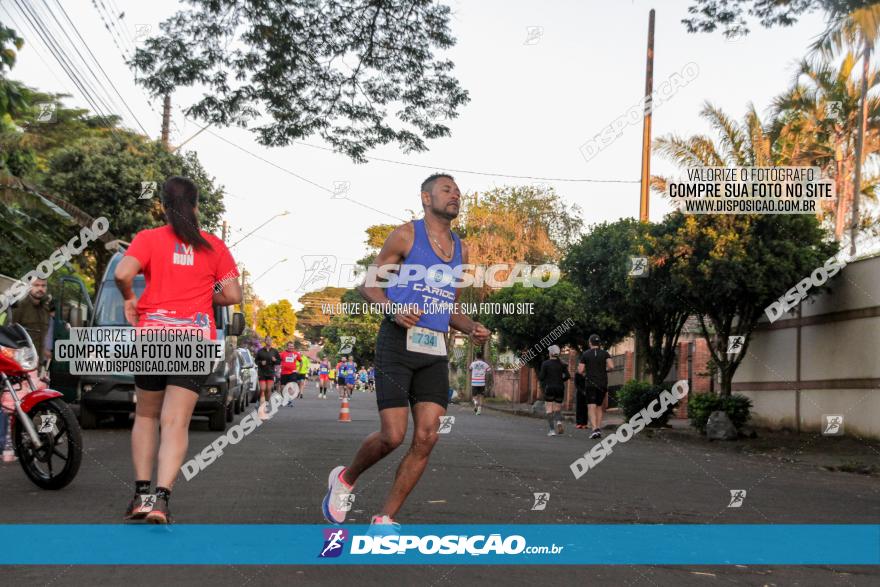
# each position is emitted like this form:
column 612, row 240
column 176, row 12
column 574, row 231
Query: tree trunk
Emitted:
column 863, row 114
column 726, row 380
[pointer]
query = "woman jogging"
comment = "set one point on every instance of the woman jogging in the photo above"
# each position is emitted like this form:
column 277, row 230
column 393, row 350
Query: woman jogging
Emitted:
column 553, row 375
column 187, row 272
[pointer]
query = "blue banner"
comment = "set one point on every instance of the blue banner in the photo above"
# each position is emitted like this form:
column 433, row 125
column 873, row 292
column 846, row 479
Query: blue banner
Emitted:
column 484, row 544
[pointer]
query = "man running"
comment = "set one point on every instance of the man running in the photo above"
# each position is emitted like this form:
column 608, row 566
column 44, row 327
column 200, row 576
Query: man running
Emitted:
column 266, row 359
column 553, row 375
column 412, row 365
column 304, row 367
column 290, row 362
column 340, row 377
column 594, row 366
column 323, row 376
column 478, row 369
column 350, row 376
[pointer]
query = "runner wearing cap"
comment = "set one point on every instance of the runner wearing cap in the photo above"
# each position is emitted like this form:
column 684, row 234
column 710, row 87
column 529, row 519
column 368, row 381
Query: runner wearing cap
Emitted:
column 553, row 375
column 594, row 366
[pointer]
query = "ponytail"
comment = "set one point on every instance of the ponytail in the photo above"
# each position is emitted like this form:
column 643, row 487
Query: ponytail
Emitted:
column 180, row 196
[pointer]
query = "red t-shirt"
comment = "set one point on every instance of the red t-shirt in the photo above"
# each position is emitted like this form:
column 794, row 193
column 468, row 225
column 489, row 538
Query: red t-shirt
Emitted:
column 180, row 279
column 289, row 362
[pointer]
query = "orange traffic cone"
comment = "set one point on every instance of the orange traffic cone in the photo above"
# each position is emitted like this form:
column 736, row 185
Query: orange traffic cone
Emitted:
column 344, row 415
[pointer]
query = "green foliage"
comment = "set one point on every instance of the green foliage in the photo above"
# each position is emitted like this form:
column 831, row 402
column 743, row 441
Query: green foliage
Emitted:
column 653, row 307
column 277, row 320
column 731, row 266
column 707, row 15
column 552, row 307
column 517, row 224
column 311, row 319
column 289, row 70
column 363, row 327
column 103, row 177
column 10, row 44
column 635, row 396
column 701, row 405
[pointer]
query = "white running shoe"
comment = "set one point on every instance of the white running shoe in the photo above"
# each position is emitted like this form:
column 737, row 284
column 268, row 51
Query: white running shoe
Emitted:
column 479, row 410
column 560, row 429
column 336, row 488
column 383, row 525
column 551, row 433
column 261, row 412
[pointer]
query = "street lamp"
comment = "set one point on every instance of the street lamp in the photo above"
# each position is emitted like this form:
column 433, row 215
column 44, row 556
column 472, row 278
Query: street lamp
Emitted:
column 285, row 213
column 268, row 270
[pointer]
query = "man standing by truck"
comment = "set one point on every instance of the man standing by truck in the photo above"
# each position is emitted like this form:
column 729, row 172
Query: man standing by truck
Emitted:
column 34, row 314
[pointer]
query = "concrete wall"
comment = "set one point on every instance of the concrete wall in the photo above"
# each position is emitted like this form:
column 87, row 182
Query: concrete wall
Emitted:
column 821, row 358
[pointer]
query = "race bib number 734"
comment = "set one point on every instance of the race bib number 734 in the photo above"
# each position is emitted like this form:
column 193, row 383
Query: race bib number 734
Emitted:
column 422, row 340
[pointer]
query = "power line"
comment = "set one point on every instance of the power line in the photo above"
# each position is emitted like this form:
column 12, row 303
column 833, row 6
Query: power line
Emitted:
column 110, row 104
column 118, row 16
column 472, row 172
column 296, row 175
column 29, row 45
column 69, row 69
column 111, row 31
column 107, row 77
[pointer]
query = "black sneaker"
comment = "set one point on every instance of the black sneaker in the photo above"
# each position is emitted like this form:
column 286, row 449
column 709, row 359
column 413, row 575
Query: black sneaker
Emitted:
column 596, row 434
column 139, row 506
column 159, row 514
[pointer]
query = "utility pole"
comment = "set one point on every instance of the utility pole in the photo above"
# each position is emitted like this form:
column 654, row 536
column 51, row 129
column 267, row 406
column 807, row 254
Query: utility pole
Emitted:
column 224, row 231
column 640, row 350
column 243, row 290
column 860, row 140
column 166, row 120
column 646, row 128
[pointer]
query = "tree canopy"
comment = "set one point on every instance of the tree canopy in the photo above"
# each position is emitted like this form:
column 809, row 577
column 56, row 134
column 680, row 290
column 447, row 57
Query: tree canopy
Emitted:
column 357, row 73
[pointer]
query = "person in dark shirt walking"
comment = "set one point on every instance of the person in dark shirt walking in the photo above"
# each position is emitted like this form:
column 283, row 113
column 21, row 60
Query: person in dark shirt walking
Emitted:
column 553, row 375
column 594, row 366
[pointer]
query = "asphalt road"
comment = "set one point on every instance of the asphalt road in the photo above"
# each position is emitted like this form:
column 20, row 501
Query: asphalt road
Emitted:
column 484, row 471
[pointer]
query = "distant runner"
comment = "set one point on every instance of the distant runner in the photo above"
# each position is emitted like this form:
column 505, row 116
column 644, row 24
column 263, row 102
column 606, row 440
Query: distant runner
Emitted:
column 290, row 362
column 266, row 359
column 323, row 377
column 594, row 365
column 478, row 369
column 553, row 375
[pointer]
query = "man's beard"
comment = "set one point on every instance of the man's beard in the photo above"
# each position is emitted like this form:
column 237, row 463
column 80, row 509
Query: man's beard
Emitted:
column 445, row 213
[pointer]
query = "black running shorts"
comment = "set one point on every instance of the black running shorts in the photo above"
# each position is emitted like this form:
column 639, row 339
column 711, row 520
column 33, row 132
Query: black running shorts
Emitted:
column 595, row 394
column 288, row 378
column 554, row 394
column 160, row 382
column 478, row 389
column 403, row 377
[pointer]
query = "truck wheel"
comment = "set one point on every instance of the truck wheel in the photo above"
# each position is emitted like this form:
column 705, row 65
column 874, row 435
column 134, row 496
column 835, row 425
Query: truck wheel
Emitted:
column 217, row 419
column 87, row 418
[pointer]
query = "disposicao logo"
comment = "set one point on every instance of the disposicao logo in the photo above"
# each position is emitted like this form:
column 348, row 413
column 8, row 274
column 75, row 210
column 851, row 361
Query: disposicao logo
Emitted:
column 334, row 542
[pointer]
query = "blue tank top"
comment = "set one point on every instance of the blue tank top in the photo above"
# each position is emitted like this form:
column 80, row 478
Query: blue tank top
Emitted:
column 435, row 293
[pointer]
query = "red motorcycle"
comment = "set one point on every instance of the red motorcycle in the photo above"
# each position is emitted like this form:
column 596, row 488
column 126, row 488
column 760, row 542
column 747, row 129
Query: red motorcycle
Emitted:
column 45, row 433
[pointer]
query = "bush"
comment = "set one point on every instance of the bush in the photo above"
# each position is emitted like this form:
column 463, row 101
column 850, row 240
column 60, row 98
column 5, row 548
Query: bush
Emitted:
column 634, row 396
column 701, row 405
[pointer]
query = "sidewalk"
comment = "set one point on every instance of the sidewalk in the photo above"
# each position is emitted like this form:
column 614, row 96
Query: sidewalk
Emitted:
column 612, row 419
column 846, row 454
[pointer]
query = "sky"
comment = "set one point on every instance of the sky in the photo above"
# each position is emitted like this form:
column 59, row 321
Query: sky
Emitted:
column 543, row 77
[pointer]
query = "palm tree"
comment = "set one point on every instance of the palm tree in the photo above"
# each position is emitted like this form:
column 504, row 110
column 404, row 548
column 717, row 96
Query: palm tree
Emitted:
column 853, row 28
column 746, row 144
column 816, row 122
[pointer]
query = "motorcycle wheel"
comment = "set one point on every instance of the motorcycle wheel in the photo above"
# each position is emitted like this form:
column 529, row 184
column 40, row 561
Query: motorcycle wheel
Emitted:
column 57, row 461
